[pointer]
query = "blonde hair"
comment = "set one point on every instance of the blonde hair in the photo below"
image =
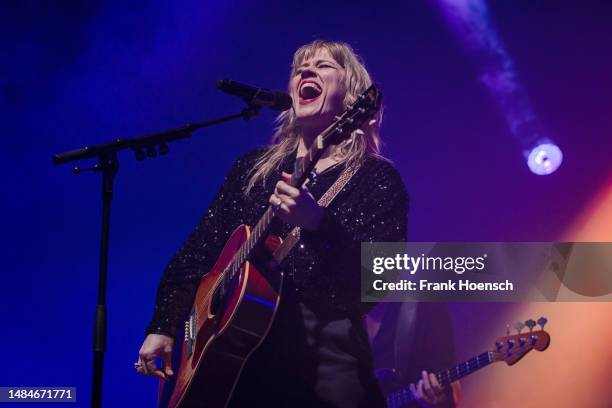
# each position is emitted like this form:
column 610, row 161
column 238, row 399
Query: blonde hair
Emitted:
column 353, row 150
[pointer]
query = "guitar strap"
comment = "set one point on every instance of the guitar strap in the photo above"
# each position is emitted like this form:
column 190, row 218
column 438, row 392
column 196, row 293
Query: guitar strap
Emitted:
column 294, row 236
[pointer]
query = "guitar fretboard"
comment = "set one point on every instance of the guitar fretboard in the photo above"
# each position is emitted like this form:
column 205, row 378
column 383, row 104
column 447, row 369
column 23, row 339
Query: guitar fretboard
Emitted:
column 302, row 169
column 403, row 396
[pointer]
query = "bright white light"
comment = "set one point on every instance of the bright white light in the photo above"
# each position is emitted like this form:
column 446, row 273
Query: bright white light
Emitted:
column 544, row 159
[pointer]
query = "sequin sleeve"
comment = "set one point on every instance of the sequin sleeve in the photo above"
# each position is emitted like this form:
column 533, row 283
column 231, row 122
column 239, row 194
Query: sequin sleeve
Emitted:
column 198, row 253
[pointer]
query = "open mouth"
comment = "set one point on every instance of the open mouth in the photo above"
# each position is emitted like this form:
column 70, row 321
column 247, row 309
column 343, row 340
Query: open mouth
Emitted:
column 309, row 91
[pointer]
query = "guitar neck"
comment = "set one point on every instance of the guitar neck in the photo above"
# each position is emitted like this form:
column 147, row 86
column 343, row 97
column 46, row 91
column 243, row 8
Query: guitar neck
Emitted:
column 302, row 169
column 445, row 377
column 403, row 396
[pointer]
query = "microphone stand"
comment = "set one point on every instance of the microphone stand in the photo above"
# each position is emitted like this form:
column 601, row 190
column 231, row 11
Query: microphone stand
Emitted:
column 108, row 164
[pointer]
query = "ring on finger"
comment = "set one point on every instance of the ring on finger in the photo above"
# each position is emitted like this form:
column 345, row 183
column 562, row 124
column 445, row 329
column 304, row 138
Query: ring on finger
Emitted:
column 140, row 368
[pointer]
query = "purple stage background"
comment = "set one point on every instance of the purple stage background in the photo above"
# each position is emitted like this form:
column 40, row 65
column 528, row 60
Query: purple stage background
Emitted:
column 77, row 73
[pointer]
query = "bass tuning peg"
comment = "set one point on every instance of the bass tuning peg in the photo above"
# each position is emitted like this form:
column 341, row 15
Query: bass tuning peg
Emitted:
column 542, row 321
column 519, row 326
column 531, row 324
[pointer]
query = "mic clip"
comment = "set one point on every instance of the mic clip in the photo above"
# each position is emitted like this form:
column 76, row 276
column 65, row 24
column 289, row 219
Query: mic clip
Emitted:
column 250, row 111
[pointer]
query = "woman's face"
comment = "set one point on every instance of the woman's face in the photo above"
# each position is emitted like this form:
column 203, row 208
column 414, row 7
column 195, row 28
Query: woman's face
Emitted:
column 318, row 90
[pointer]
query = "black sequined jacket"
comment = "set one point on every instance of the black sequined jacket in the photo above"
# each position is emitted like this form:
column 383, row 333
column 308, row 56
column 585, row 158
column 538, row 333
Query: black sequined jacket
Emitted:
column 323, row 269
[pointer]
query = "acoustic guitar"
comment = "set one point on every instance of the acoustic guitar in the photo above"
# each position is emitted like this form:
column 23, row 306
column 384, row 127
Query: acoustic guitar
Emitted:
column 236, row 301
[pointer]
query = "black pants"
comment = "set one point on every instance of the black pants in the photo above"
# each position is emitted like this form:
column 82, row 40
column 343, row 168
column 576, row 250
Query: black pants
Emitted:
column 309, row 361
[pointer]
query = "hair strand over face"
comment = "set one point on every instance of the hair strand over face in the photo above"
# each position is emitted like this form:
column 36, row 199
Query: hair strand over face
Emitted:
column 353, row 150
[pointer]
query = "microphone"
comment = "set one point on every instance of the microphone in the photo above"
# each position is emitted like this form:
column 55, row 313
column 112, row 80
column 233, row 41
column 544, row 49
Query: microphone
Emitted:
column 275, row 100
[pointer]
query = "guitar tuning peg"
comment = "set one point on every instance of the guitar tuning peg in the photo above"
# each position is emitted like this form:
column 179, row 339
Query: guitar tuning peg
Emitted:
column 542, row 321
column 531, row 324
column 519, row 326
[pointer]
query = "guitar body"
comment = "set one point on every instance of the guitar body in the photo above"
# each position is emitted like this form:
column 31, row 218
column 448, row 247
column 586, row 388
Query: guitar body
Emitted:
column 388, row 379
column 390, row 382
column 223, row 330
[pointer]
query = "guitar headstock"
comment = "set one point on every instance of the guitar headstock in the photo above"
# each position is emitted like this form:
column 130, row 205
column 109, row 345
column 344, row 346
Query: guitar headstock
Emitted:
column 355, row 116
column 511, row 348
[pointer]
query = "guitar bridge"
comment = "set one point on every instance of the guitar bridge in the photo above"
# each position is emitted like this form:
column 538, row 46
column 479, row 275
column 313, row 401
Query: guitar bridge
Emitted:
column 190, row 329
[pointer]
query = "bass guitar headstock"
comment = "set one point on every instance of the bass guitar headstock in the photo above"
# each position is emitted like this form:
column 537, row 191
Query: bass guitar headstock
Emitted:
column 511, row 348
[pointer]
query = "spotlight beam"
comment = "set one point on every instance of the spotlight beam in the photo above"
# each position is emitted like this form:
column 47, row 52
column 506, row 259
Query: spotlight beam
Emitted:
column 469, row 20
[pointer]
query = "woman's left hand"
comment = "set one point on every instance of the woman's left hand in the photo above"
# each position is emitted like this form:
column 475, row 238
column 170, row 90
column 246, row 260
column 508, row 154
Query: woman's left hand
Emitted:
column 296, row 206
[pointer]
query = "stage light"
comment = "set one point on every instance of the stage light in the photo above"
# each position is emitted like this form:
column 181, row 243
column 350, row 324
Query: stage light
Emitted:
column 544, row 159
column 471, row 22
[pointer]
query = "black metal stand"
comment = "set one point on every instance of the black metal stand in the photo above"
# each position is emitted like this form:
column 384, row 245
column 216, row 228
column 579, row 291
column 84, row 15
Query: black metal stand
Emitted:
column 108, row 164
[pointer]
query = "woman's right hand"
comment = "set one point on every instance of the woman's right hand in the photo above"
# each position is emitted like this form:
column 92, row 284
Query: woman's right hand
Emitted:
column 156, row 346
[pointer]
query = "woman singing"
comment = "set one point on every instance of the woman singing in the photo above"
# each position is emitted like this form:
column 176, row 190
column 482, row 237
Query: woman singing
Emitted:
column 316, row 353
